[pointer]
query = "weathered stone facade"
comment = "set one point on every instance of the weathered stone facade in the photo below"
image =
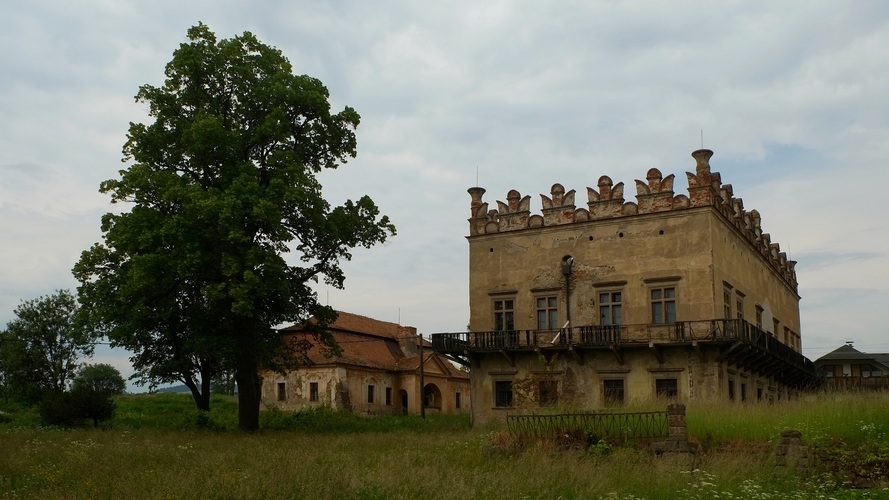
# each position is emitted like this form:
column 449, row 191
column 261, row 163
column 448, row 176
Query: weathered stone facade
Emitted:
column 679, row 295
column 378, row 371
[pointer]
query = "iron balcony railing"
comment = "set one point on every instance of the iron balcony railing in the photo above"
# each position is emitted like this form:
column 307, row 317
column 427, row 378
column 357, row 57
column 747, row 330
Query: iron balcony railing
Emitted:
column 606, row 335
column 593, row 336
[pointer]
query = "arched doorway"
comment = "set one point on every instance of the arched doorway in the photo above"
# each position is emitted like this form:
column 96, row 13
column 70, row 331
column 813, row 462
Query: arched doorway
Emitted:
column 403, row 394
column 432, row 397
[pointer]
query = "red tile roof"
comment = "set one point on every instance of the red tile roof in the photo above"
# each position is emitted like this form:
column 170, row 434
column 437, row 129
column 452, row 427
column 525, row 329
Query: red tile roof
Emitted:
column 348, row 322
column 368, row 342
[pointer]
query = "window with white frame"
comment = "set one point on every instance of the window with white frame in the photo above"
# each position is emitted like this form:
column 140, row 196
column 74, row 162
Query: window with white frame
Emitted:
column 727, row 301
column 739, row 304
column 504, row 315
column 547, row 312
column 663, row 305
column 610, row 308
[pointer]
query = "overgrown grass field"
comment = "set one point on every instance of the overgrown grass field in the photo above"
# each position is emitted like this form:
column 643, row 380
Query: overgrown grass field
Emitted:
column 158, row 446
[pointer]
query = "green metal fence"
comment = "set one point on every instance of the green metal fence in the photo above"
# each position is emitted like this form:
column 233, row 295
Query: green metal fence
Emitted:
column 623, row 427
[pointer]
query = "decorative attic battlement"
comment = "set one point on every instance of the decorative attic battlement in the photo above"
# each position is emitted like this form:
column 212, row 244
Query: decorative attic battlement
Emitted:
column 655, row 194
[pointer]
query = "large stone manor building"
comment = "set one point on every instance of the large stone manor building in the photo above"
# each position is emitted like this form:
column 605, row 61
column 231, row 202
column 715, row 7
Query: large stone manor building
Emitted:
column 673, row 296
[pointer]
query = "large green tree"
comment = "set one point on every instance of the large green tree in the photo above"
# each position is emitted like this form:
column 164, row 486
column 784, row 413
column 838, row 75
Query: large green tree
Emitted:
column 194, row 276
column 41, row 346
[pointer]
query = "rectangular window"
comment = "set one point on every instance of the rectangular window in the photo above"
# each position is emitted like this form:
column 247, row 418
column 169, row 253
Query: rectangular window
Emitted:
column 613, row 391
column 775, row 324
column 787, row 338
column 743, row 392
column 504, row 315
column 727, row 302
column 759, row 393
column 547, row 313
column 663, row 305
column 388, row 396
column 610, row 312
column 759, row 316
column 370, row 394
column 547, row 392
column 313, row 391
column 731, row 389
column 282, row 391
column 868, row 370
column 739, row 305
column 666, row 387
column 457, row 402
column 503, row 393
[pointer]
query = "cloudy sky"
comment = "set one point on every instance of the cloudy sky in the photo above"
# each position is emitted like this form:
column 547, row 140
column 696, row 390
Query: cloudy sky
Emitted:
column 793, row 99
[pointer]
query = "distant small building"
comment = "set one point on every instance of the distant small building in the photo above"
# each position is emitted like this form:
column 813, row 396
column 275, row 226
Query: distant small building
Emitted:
column 847, row 367
column 377, row 371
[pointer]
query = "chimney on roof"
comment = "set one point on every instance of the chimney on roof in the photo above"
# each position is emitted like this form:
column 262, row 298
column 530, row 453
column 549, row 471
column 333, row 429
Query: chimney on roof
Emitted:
column 702, row 157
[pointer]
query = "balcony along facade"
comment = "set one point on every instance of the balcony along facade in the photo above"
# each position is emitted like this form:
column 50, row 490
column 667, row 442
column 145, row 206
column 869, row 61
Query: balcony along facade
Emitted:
column 742, row 344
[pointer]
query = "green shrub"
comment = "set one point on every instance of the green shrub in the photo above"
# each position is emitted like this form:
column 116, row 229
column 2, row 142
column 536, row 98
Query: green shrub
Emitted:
column 59, row 409
column 600, row 448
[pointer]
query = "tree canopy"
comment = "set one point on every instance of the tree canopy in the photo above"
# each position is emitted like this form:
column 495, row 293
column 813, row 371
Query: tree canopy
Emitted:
column 222, row 185
column 41, row 346
column 99, row 377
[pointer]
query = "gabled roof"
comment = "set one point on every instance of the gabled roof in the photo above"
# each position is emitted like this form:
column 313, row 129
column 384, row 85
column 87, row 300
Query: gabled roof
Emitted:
column 845, row 352
column 849, row 353
column 432, row 363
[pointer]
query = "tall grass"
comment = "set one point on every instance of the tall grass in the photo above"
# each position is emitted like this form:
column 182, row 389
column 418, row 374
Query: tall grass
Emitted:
column 157, row 448
column 855, row 417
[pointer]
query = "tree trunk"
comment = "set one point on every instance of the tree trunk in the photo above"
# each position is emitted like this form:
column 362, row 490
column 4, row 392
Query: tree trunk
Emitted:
column 201, row 400
column 249, row 393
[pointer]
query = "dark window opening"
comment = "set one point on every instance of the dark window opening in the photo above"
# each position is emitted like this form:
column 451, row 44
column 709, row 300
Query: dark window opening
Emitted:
column 666, row 387
column 282, row 391
column 313, row 391
column 370, row 394
column 503, row 393
column 548, row 392
column 614, row 391
column 388, row 396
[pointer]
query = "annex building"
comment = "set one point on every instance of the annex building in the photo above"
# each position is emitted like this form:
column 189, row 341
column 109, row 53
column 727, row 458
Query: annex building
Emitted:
column 379, row 370
column 675, row 296
column 846, row 368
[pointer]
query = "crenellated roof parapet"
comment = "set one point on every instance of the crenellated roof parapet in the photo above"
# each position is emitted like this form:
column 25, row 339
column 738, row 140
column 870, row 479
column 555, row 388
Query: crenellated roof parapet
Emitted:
column 653, row 195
